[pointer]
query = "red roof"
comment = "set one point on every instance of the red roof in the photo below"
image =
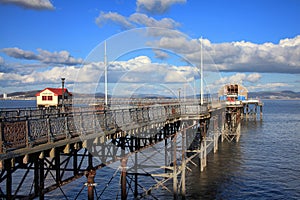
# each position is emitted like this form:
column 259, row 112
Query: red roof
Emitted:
column 57, row 91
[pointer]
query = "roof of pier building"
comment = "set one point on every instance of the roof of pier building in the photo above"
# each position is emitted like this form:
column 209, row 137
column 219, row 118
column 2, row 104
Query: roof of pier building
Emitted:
column 56, row 91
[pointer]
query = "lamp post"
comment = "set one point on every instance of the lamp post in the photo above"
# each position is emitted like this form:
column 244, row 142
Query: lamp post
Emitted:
column 201, row 73
column 105, row 74
column 63, row 93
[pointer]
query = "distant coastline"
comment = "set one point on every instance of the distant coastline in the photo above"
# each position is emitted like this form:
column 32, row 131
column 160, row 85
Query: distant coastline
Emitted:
column 264, row 95
column 286, row 99
column 19, row 98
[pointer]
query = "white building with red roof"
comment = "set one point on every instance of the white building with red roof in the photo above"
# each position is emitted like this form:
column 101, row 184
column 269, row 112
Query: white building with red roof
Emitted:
column 52, row 97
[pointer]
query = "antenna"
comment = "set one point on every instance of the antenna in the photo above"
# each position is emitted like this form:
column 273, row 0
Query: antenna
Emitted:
column 201, row 73
column 105, row 73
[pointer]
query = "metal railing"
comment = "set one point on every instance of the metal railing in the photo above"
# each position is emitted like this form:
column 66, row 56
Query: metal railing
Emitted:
column 21, row 129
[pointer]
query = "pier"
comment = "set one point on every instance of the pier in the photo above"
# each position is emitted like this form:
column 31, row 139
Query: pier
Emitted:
column 43, row 150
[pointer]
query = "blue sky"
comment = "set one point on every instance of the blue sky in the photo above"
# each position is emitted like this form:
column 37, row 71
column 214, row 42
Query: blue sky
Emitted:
column 253, row 42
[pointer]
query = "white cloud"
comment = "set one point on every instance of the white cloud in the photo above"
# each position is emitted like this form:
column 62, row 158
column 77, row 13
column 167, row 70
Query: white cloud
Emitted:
column 9, row 77
column 20, row 53
column 114, row 17
column 269, row 86
column 142, row 69
column 161, row 54
column 134, row 20
column 62, row 57
column 179, row 44
column 144, row 20
column 156, row 6
column 240, row 56
column 290, row 42
column 254, row 77
column 139, row 70
column 1, row 61
column 177, row 76
column 31, row 4
column 239, row 78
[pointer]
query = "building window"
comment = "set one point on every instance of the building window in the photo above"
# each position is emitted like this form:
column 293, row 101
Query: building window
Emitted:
column 49, row 98
column 44, row 98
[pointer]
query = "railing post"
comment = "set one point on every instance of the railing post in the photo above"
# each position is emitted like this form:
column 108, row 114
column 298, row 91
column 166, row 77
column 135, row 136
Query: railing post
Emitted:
column 143, row 114
column 137, row 115
column 123, row 118
column 94, row 117
column 49, row 130
column 1, row 134
column 115, row 118
column 148, row 113
column 81, row 122
column 67, row 132
column 27, row 132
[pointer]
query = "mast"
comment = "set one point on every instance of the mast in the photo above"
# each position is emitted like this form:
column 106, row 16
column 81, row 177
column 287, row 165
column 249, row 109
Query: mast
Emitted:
column 201, row 73
column 105, row 73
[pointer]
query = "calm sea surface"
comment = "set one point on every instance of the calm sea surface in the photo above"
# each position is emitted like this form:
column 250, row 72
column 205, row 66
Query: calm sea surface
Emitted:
column 264, row 164
column 17, row 103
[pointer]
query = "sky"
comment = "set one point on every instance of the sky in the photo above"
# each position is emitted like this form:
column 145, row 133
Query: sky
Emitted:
column 152, row 46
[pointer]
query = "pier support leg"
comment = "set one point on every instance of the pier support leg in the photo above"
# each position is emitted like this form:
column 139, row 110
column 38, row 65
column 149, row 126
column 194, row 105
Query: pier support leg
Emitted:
column 238, row 132
column 261, row 112
column 223, row 127
column 255, row 112
column 216, row 135
column 203, row 155
column 216, row 142
column 90, row 178
column 36, row 176
column 183, row 164
column 175, row 181
column 91, row 183
column 57, row 166
column 42, row 178
column 75, row 168
column 203, row 146
column 8, row 179
column 247, row 111
column 136, row 176
column 166, row 154
column 123, row 178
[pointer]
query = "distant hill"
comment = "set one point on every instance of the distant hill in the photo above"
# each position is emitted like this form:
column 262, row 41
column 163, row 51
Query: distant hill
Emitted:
column 275, row 95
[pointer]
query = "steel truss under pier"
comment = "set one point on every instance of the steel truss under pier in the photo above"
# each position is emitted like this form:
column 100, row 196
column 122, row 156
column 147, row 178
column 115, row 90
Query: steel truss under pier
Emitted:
column 154, row 146
column 232, row 125
column 192, row 140
column 252, row 108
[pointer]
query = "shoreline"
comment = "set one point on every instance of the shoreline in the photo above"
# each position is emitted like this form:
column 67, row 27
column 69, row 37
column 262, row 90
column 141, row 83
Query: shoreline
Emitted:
column 289, row 99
